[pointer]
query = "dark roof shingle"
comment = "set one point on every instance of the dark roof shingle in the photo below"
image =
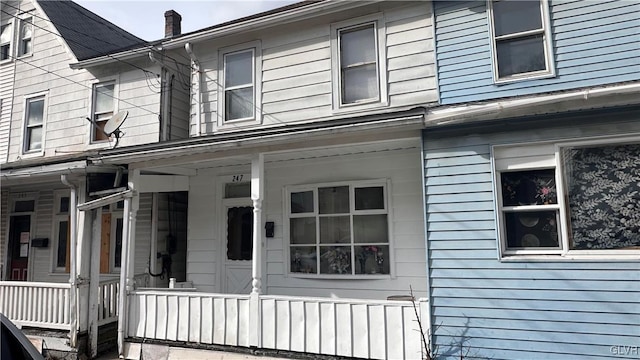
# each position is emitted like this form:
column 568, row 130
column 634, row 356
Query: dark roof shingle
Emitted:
column 87, row 34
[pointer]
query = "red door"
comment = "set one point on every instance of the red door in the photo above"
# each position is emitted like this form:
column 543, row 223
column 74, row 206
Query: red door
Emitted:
column 19, row 239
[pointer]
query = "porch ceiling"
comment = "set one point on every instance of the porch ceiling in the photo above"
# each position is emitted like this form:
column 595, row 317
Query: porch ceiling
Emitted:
column 190, row 168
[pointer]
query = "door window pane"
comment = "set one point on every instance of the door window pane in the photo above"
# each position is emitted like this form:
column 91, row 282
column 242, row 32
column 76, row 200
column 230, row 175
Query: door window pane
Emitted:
column 24, row 206
column 237, row 190
column 240, row 233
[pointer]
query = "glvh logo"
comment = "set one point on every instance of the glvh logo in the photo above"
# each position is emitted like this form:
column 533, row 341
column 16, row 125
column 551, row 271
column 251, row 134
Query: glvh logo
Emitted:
column 627, row 350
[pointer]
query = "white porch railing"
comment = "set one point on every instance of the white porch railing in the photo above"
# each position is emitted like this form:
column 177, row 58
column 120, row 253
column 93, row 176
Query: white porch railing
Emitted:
column 43, row 305
column 108, row 298
column 344, row 327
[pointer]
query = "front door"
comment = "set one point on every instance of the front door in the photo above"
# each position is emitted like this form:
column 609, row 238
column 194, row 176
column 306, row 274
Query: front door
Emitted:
column 238, row 246
column 19, row 238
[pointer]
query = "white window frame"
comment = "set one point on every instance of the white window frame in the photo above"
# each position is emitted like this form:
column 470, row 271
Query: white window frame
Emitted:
column 20, row 39
column 377, row 20
column 58, row 217
column 25, row 115
column 390, row 257
column 9, row 24
column 256, row 48
column 92, row 113
column 540, row 156
column 549, row 71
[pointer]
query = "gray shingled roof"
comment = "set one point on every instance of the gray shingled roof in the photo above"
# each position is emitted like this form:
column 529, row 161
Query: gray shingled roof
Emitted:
column 87, row 34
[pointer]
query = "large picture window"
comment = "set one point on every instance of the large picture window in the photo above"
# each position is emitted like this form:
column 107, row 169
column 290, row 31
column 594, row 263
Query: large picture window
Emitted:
column 520, row 39
column 339, row 229
column 577, row 198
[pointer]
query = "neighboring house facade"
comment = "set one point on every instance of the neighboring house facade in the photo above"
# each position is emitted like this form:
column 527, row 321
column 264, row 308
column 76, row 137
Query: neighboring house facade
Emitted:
column 45, row 140
column 303, row 177
column 532, row 172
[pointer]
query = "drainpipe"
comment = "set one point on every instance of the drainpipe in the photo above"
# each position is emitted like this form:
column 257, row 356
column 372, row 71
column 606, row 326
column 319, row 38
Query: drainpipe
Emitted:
column 196, row 94
column 72, row 269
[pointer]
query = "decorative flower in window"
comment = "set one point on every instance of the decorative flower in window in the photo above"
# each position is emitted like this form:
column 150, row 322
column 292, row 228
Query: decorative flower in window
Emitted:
column 337, row 259
column 532, row 187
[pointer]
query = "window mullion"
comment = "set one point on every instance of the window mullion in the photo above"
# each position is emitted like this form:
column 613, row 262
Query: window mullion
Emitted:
column 519, row 34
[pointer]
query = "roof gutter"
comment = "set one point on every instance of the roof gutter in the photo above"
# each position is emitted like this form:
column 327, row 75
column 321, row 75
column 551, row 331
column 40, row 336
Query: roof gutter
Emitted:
column 77, row 167
column 106, row 59
column 409, row 121
column 574, row 100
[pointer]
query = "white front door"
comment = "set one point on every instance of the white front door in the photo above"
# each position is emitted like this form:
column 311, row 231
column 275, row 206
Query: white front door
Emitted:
column 238, row 246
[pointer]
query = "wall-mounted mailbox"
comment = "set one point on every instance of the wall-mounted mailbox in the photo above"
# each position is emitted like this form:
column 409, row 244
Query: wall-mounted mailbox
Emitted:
column 40, row 242
column 269, row 228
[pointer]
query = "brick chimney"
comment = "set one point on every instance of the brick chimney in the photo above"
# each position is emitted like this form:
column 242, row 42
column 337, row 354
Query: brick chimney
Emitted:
column 171, row 23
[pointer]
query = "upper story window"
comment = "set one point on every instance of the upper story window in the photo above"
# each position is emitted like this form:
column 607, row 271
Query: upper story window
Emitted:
column 521, row 39
column 339, row 229
column 569, row 199
column 359, row 63
column 26, row 37
column 103, row 109
column 240, row 85
column 34, row 124
column 5, row 41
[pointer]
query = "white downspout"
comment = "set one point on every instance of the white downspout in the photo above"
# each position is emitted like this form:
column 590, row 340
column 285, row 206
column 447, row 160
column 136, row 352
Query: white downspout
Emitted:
column 73, row 317
column 196, row 94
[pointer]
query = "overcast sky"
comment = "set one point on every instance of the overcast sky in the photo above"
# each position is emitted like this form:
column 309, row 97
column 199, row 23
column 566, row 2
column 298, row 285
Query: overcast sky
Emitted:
column 145, row 18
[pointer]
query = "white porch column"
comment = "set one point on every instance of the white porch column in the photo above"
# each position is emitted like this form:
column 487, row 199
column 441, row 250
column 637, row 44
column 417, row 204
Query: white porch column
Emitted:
column 127, row 268
column 257, row 195
column 73, row 268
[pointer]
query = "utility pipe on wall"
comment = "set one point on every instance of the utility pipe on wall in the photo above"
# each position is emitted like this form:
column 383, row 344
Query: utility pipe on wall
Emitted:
column 73, row 311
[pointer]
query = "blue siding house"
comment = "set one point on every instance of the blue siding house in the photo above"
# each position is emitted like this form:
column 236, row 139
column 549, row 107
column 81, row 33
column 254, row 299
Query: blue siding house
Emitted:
column 532, row 180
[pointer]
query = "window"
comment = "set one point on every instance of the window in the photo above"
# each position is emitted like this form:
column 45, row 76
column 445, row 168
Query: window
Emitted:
column 34, row 123
column 569, row 198
column 5, row 41
column 238, row 102
column 62, row 232
column 103, row 109
column 26, row 37
column 339, row 229
column 359, row 65
column 521, row 39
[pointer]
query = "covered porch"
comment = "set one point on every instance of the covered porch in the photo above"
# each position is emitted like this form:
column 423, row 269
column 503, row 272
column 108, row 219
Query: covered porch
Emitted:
column 298, row 247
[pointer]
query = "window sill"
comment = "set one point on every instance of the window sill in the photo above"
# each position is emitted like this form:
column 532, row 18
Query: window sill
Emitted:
column 524, row 77
column 340, row 277
column 572, row 257
column 359, row 107
column 32, row 154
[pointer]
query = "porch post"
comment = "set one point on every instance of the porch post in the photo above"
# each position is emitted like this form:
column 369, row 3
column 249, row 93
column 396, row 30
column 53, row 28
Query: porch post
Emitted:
column 94, row 290
column 127, row 266
column 257, row 195
column 257, row 190
column 73, row 275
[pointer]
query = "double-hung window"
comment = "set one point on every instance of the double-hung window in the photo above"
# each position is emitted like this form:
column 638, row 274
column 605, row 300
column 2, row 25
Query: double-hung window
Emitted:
column 5, row 41
column 359, row 62
column 239, row 80
column 103, row 109
column 569, row 199
column 520, row 33
column 34, row 124
column 61, row 232
column 339, row 229
column 26, row 37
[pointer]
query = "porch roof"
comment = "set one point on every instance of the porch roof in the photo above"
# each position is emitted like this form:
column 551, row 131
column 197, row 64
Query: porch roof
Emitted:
column 254, row 140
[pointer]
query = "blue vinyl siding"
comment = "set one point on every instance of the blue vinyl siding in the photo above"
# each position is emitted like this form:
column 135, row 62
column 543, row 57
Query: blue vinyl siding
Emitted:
column 495, row 309
column 595, row 43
